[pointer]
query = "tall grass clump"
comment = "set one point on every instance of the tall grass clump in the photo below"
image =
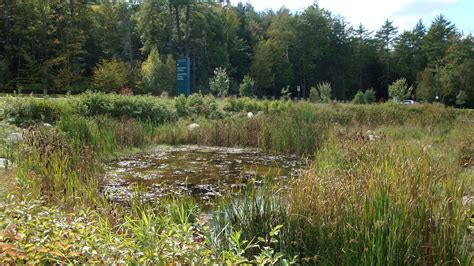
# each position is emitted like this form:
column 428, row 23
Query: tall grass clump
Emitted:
column 48, row 166
column 376, row 204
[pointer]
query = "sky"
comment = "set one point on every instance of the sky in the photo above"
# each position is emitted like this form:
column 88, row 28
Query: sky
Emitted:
column 373, row 13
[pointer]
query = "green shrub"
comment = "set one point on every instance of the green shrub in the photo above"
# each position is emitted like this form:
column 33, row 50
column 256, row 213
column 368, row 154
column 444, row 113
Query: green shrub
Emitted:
column 314, row 95
column 399, row 90
column 181, row 105
column 359, row 98
column 247, row 87
column 325, row 91
column 26, row 111
column 144, row 108
column 370, row 96
column 219, row 84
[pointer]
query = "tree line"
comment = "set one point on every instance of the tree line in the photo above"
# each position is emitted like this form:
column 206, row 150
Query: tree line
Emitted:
column 133, row 45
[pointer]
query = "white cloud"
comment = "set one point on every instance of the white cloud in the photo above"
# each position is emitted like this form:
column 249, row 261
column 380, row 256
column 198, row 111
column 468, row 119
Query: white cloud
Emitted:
column 371, row 13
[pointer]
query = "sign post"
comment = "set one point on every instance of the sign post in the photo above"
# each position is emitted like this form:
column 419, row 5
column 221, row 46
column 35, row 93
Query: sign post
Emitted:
column 183, row 76
column 298, row 88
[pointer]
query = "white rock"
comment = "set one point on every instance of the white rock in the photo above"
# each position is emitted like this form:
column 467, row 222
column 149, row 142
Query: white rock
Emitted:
column 372, row 136
column 15, row 137
column 4, row 163
column 193, row 127
column 47, row 125
column 250, row 115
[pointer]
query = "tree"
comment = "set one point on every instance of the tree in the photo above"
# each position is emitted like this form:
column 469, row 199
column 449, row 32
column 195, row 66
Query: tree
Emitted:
column 399, row 90
column 247, row 87
column 438, row 39
column 219, row 84
column 386, row 37
column 158, row 75
column 110, row 75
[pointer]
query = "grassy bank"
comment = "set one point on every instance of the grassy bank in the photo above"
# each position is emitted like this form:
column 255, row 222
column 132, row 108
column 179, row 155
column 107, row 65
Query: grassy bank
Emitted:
column 385, row 186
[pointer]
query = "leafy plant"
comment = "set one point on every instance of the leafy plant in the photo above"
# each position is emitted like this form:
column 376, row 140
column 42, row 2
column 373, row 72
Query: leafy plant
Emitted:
column 219, row 84
column 399, row 90
column 325, row 92
column 359, row 98
column 370, row 96
column 247, row 87
column 111, row 75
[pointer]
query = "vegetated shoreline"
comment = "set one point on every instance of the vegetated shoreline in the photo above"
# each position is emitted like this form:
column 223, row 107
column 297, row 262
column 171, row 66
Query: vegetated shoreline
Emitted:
column 386, row 185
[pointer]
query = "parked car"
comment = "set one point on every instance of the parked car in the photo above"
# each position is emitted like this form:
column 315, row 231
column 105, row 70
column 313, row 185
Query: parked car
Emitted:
column 408, row 102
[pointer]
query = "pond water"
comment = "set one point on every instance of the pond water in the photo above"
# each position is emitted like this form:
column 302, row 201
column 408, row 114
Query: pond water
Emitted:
column 204, row 173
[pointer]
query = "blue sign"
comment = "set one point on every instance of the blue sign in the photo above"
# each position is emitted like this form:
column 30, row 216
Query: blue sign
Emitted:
column 183, row 76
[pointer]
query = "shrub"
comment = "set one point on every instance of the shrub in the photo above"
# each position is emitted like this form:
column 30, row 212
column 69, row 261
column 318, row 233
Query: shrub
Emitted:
column 180, row 103
column 399, row 90
column 144, row 108
column 247, row 87
column 359, row 98
column 325, row 91
column 111, row 75
column 285, row 93
column 219, row 84
column 27, row 111
column 461, row 98
column 199, row 105
column 370, row 96
column 314, row 95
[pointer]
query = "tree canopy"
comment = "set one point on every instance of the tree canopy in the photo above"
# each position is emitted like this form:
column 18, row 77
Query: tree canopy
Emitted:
column 62, row 45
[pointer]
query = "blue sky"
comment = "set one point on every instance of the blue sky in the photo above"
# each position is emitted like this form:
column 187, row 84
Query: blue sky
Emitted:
column 372, row 13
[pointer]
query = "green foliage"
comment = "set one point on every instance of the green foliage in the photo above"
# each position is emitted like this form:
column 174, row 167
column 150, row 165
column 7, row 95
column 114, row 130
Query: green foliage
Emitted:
column 199, row 105
column 111, row 75
column 314, row 95
column 285, row 93
column 247, row 87
column 27, row 111
column 219, row 84
column 370, row 96
column 325, row 91
column 158, row 75
column 144, row 108
column 359, row 98
column 399, row 90
column 461, row 98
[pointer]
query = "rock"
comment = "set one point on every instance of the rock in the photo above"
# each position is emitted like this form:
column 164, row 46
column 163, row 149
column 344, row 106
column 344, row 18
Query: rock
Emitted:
column 193, row 127
column 4, row 163
column 249, row 114
column 260, row 113
column 372, row 136
column 47, row 125
column 15, row 137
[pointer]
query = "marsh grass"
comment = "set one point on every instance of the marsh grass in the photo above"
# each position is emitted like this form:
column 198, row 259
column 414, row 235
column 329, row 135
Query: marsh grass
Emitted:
column 389, row 201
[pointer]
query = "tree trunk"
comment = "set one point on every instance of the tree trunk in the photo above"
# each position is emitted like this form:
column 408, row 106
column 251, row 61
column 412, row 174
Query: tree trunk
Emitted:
column 188, row 26
column 178, row 29
column 170, row 29
column 130, row 49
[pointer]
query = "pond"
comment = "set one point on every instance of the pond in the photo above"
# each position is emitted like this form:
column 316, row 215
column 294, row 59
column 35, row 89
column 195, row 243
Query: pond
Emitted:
column 203, row 173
